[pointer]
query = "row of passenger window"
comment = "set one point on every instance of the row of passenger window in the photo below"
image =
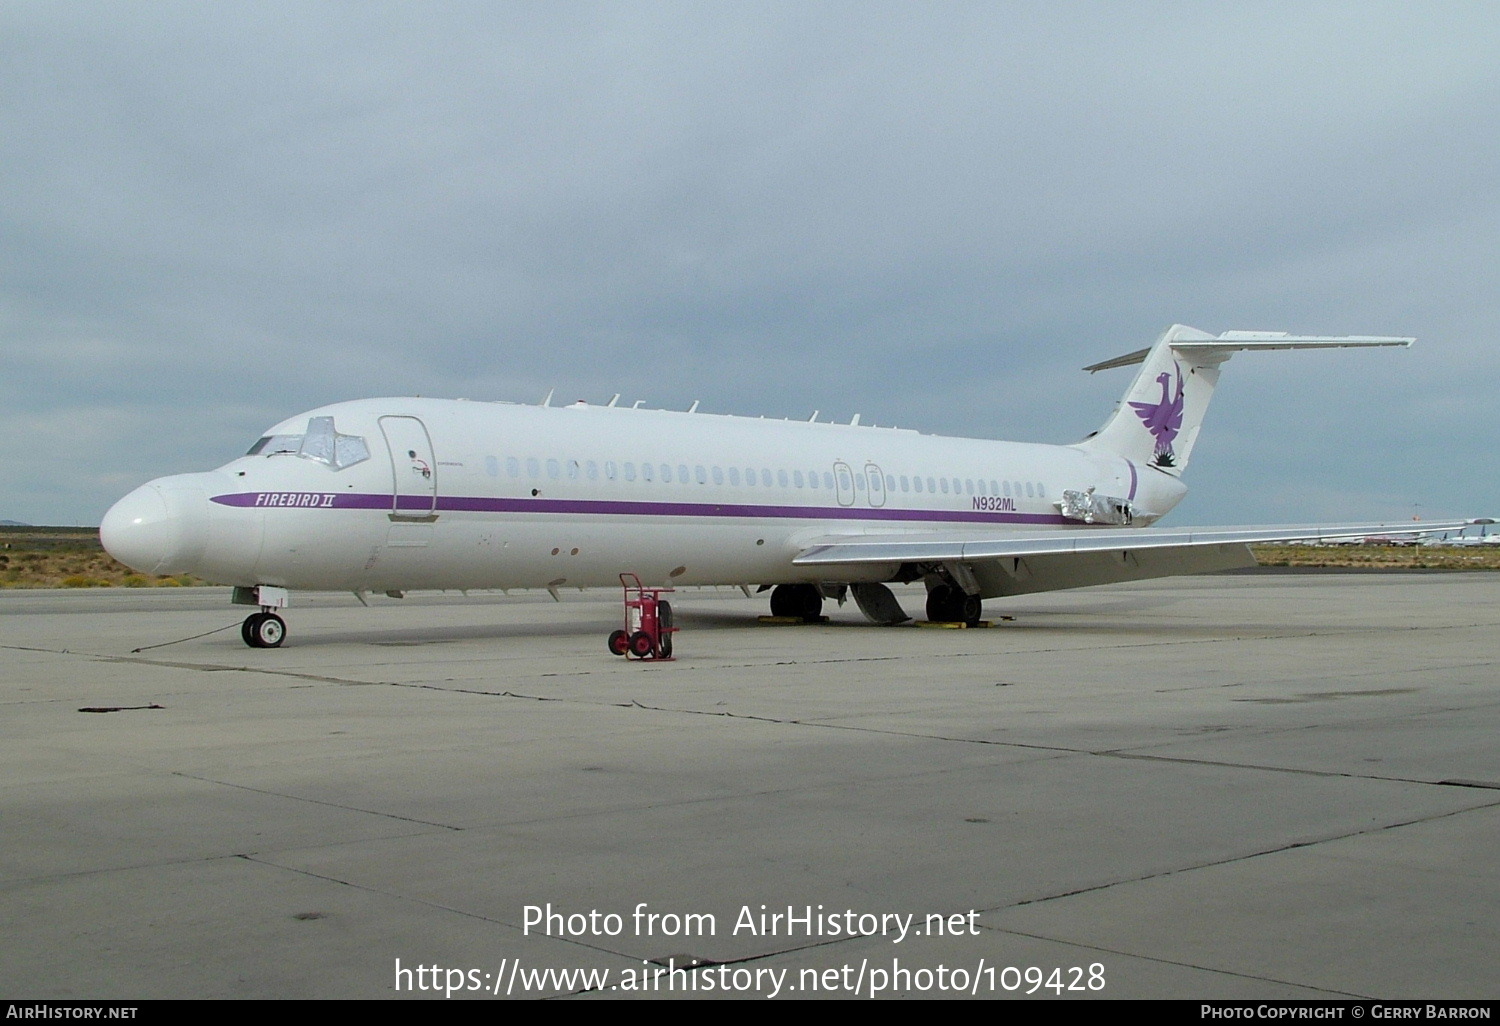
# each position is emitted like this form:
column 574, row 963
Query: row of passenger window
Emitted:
column 757, row 477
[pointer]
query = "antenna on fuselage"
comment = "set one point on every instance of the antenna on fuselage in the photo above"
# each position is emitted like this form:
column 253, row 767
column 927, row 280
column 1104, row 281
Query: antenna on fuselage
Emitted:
column 637, row 404
column 614, row 400
column 693, row 408
column 548, row 401
column 855, row 421
column 814, row 418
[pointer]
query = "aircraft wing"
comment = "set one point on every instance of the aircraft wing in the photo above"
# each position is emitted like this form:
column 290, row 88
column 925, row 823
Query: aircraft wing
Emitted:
column 998, row 562
column 836, row 550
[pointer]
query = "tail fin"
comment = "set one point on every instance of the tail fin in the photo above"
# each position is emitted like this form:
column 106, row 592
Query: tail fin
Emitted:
column 1158, row 420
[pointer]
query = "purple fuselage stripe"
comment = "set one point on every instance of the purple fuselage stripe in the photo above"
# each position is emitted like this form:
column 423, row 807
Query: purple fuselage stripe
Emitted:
column 1133, row 480
column 606, row 507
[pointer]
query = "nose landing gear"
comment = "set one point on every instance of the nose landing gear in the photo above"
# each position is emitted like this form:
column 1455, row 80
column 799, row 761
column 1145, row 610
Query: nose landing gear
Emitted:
column 263, row 630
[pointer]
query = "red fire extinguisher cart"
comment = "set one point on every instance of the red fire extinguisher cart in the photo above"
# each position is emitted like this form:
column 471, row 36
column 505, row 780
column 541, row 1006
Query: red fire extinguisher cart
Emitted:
column 648, row 622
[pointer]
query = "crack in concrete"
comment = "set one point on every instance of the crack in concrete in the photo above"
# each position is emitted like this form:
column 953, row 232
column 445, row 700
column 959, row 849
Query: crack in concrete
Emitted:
column 1173, row 962
column 1116, row 754
column 1231, row 860
column 316, row 801
column 1059, row 749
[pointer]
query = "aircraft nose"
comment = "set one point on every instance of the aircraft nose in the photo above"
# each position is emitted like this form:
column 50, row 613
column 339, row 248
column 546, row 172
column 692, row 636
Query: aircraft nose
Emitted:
column 160, row 528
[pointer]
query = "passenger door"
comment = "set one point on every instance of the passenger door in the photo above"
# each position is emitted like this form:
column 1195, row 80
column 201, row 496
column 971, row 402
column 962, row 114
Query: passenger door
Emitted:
column 413, row 469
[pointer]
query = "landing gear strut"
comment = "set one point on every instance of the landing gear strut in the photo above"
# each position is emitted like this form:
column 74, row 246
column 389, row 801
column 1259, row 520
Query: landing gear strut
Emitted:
column 947, row 603
column 803, row 601
column 263, row 630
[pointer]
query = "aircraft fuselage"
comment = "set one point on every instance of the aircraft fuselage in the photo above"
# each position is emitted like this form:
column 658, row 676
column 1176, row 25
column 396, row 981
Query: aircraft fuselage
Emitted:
column 470, row 495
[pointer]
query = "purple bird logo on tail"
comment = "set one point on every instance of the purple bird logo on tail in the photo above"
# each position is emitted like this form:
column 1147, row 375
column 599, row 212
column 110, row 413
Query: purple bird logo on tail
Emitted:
column 1163, row 419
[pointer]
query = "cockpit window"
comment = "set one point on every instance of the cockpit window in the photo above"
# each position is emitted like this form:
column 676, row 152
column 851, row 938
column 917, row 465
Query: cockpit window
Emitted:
column 322, row 444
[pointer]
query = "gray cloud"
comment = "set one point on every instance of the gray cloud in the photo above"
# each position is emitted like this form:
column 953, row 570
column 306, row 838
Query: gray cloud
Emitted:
column 217, row 215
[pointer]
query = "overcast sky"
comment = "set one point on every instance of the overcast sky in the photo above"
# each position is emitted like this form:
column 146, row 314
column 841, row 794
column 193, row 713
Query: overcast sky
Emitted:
column 214, row 216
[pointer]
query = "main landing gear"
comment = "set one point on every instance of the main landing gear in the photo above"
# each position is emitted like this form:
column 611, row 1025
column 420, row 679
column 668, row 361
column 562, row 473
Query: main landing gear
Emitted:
column 263, row 630
column 948, row 603
column 802, row 601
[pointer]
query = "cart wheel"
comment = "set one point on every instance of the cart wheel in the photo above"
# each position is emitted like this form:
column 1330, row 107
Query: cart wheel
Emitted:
column 664, row 625
column 619, row 643
column 641, row 645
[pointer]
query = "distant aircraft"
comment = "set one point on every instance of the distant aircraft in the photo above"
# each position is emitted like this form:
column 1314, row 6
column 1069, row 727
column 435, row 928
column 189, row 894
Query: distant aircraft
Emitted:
column 1462, row 540
column 392, row 495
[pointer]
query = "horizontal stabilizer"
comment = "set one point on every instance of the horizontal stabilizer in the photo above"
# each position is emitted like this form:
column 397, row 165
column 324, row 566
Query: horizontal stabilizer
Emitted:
column 1242, row 341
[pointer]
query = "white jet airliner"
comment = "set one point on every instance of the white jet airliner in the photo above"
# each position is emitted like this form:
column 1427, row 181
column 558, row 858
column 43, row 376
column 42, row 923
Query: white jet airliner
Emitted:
column 392, row 495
